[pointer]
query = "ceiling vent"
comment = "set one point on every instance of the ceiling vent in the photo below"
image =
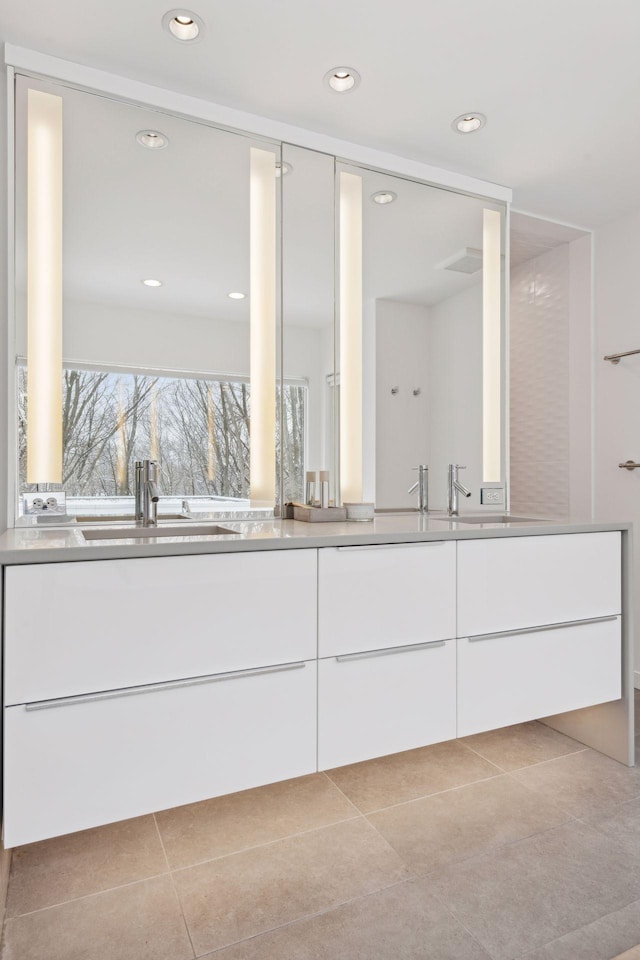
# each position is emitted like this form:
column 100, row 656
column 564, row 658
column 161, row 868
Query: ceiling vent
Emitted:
column 467, row 260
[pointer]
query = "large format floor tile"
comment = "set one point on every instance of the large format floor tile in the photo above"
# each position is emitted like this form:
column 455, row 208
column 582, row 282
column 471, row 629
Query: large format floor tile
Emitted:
column 375, row 784
column 633, row 954
column 600, row 940
column 435, row 831
column 585, row 783
column 511, row 748
column 536, row 890
column 214, row 828
column 141, row 921
column 403, row 922
column 52, row 871
column 621, row 822
column 239, row 896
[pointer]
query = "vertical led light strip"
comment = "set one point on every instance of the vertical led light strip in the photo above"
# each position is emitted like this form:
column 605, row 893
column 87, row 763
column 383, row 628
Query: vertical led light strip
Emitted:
column 44, row 288
column 262, row 307
column 154, row 426
column 491, row 346
column 211, row 435
column 350, row 239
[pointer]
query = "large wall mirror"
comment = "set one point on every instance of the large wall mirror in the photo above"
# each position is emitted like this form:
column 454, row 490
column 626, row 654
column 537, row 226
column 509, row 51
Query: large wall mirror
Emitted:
column 244, row 312
column 169, row 308
column 422, row 274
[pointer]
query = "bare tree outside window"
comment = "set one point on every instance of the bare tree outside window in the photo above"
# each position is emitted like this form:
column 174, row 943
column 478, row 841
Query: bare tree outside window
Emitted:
column 198, row 429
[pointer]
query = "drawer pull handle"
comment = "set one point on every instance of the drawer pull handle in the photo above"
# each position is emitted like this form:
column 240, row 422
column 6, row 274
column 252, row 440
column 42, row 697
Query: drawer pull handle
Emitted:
column 387, row 651
column 391, row 546
column 545, row 626
column 156, row 687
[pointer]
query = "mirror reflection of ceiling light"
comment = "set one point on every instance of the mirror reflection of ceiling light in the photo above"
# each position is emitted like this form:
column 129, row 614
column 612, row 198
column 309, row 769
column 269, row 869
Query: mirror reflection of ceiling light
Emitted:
column 469, row 122
column 283, row 168
column 342, row 79
column 384, row 196
column 152, row 283
column 236, row 295
column 183, row 25
column 152, row 139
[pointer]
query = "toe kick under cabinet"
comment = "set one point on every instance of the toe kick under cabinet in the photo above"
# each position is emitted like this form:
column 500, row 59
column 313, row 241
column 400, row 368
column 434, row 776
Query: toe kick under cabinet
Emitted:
column 134, row 685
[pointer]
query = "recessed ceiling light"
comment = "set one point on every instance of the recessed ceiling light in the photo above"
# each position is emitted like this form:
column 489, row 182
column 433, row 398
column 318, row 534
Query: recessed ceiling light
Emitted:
column 283, row 168
column 342, row 79
column 152, row 139
column 152, row 283
column 384, row 196
column 237, row 296
column 469, row 122
column 183, row 25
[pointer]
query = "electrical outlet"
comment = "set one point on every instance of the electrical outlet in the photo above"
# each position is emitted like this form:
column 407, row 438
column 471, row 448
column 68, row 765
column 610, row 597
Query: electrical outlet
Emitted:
column 44, row 504
column 492, row 495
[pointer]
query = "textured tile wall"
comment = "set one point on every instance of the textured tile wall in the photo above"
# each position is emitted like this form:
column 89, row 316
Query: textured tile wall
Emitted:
column 539, row 357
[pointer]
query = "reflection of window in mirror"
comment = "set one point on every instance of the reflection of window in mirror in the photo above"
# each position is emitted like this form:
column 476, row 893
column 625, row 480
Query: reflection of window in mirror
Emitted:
column 197, row 428
column 158, row 233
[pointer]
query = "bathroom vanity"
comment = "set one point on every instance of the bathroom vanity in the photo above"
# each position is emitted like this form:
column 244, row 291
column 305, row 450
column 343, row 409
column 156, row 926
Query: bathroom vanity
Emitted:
column 141, row 676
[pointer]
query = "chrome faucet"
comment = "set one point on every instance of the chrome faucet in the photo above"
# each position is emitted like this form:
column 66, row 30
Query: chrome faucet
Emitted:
column 147, row 495
column 422, row 486
column 454, row 488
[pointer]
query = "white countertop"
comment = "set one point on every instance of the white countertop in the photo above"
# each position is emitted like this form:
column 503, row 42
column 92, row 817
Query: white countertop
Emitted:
column 51, row 545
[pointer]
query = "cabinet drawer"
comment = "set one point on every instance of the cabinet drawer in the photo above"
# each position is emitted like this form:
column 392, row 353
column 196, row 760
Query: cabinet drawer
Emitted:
column 92, row 761
column 385, row 596
column 381, row 702
column 80, row 627
column 515, row 677
column 516, row 582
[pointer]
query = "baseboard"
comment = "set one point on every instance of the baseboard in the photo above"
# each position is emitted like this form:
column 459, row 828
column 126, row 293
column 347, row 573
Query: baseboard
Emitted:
column 5, row 868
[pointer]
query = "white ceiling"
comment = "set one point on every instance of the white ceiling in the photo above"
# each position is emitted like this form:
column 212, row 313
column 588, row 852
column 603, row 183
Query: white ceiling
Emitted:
column 557, row 79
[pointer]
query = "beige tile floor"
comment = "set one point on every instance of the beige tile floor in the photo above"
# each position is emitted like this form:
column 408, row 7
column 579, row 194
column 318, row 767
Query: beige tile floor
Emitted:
column 515, row 843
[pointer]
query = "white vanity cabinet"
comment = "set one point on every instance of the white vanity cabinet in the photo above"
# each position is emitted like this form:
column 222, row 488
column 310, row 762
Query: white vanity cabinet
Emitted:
column 76, row 628
column 135, row 685
column 90, row 760
column 387, row 668
column 539, row 626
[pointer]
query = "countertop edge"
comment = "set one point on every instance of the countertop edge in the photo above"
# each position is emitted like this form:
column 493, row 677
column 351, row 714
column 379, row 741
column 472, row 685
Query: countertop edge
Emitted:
column 30, row 553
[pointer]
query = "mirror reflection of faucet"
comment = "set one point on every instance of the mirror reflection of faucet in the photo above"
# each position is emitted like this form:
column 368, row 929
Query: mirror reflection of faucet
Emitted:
column 454, row 487
column 422, row 486
column 147, row 495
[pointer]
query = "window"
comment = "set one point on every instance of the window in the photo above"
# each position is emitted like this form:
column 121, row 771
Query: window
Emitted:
column 199, row 430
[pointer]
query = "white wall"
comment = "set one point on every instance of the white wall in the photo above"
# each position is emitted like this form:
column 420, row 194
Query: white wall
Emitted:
column 539, row 381
column 550, row 382
column 437, row 350
column 455, row 394
column 617, row 407
column 401, row 345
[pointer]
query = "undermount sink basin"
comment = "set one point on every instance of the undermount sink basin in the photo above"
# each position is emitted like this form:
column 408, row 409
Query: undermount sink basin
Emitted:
column 126, row 518
column 153, row 533
column 487, row 518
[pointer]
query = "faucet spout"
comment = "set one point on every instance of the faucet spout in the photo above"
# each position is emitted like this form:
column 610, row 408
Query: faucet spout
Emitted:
column 422, row 486
column 454, row 488
column 147, row 495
